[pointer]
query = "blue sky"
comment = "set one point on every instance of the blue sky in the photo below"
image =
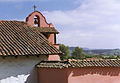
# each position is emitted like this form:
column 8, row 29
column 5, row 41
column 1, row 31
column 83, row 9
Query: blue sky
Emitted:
column 19, row 9
column 83, row 23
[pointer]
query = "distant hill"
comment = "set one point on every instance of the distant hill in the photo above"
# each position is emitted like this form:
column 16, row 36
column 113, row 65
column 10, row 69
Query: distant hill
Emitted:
column 98, row 51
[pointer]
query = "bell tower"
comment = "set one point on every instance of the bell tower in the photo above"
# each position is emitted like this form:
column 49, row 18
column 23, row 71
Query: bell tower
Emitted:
column 36, row 19
column 38, row 22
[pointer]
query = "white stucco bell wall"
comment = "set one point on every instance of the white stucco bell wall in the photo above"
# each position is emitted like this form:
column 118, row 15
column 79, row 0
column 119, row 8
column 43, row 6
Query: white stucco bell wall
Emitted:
column 20, row 69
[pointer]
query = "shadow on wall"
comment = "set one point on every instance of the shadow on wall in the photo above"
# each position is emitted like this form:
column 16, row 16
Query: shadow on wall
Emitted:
column 19, row 70
column 13, row 69
column 52, row 75
column 28, row 78
column 33, row 77
column 106, row 71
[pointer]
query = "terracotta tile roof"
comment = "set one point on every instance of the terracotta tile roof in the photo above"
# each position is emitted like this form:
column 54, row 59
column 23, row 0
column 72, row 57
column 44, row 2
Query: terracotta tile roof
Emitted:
column 53, row 64
column 16, row 38
column 46, row 29
column 80, row 63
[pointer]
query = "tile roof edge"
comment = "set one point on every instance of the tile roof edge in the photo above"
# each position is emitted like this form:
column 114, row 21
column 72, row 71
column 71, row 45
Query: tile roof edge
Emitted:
column 70, row 64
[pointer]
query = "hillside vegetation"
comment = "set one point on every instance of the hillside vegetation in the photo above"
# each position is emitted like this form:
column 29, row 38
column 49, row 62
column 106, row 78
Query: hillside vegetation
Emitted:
column 82, row 53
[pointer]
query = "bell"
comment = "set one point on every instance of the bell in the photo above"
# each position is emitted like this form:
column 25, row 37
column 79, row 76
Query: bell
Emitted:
column 35, row 21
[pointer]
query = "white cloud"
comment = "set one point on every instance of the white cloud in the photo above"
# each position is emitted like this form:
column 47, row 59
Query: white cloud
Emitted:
column 95, row 24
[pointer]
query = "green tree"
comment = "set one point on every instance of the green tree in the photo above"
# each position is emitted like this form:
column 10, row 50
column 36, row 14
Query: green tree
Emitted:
column 65, row 50
column 77, row 52
column 111, row 57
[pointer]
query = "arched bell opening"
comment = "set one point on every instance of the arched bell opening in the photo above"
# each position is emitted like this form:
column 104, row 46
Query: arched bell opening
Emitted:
column 36, row 21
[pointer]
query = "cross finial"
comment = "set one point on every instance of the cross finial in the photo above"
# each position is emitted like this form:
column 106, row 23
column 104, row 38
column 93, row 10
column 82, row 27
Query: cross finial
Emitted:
column 34, row 7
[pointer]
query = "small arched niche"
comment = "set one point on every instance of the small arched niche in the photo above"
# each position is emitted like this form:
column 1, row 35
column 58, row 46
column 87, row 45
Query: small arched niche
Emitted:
column 36, row 21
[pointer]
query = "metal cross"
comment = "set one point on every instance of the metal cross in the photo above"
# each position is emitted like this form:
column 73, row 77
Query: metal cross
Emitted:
column 34, row 7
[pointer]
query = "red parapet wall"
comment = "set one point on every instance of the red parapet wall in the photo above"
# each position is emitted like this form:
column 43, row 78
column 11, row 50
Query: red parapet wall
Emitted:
column 54, row 57
column 57, row 45
column 79, row 75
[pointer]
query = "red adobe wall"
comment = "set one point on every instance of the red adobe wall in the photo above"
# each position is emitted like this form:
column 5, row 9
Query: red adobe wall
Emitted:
column 94, row 75
column 52, row 75
column 79, row 75
column 53, row 57
column 51, row 38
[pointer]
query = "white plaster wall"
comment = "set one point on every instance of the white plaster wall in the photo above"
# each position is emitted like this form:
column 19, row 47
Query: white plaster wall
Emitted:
column 20, row 69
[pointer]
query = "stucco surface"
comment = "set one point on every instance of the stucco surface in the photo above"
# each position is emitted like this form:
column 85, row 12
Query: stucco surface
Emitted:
column 19, row 70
